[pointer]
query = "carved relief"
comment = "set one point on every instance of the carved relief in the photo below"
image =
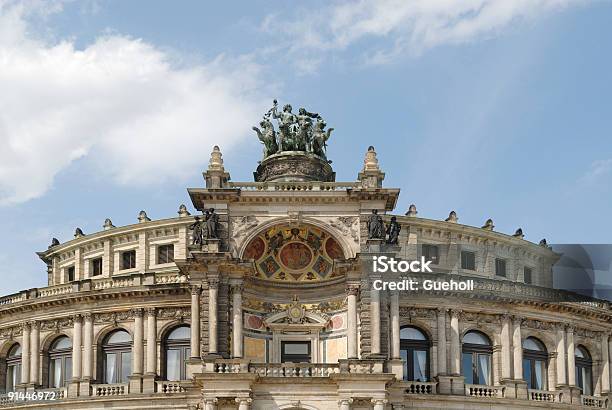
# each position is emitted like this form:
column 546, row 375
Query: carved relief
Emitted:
column 180, row 313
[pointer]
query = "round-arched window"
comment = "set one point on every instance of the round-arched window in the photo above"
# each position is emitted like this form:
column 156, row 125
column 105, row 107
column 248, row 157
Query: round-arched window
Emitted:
column 584, row 370
column 535, row 363
column 476, row 358
column 177, row 349
column 60, row 362
column 117, row 357
column 13, row 367
column 414, row 351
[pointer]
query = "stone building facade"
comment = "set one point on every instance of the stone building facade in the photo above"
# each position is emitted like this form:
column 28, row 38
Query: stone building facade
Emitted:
column 277, row 309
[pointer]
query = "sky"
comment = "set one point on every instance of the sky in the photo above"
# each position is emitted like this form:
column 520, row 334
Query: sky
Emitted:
column 491, row 108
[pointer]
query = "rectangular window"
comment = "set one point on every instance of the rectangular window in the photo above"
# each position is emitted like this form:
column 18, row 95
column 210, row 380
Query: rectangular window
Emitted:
column 165, row 254
column 70, row 273
column 527, row 275
column 500, row 267
column 128, row 260
column 468, row 260
column 295, row 352
column 96, row 267
column 430, row 253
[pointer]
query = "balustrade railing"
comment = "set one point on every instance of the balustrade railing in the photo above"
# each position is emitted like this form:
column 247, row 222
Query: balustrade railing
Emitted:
column 294, row 186
column 544, row 395
column 421, row 387
column 294, row 369
column 483, row 391
column 55, row 290
column 105, row 390
column 166, row 387
column 594, row 401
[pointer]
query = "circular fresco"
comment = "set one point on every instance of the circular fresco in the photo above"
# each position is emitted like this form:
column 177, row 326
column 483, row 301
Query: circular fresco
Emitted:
column 295, row 256
column 294, row 253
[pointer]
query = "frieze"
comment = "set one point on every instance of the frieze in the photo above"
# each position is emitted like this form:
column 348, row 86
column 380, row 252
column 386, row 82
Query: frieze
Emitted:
column 479, row 317
column 57, row 324
column 348, row 225
column 180, row 313
column 414, row 312
column 538, row 324
column 113, row 317
column 11, row 332
column 267, row 307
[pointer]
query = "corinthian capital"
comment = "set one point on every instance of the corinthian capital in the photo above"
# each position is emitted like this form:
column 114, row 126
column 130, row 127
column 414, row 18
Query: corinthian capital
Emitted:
column 352, row 290
column 213, row 283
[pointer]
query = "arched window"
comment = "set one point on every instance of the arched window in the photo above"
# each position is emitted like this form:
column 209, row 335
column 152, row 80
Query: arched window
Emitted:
column 60, row 362
column 535, row 362
column 117, row 357
column 476, row 358
column 13, row 367
column 177, row 349
column 414, row 351
column 584, row 370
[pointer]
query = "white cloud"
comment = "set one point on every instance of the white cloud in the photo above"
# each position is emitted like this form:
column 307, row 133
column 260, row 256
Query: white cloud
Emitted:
column 120, row 103
column 599, row 171
column 405, row 26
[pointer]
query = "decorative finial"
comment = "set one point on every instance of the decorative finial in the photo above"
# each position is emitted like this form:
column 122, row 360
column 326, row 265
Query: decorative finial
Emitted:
column 544, row 243
column 412, row 211
column 108, row 224
column 370, row 163
column 488, row 225
column 519, row 234
column 452, row 217
column 216, row 160
column 183, row 212
column 78, row 233
column 142, row 217
column 54, row 242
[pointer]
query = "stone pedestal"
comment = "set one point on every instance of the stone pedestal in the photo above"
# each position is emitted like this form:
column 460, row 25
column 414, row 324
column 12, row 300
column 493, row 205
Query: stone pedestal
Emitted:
column 451, row 385
column 396, row 366
column 85, row 387
column 73, row 389
column 135, row 382
column 374, row 245
column 515, row 389
column 211, row 245
column 148, row 383
column 194, row 365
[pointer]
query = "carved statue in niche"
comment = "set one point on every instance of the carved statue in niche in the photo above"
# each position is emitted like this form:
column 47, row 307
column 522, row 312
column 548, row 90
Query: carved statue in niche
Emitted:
column 393, row 230
column 196, row 231
column 376, row 227
column 211, row 220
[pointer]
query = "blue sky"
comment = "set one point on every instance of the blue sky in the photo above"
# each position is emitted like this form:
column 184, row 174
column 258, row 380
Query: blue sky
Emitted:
column 491, row 110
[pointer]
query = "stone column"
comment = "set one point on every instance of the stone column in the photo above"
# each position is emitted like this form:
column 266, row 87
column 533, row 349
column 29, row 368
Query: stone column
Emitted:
column 571, row 357
column 442, row 341
column 25, row 353
column 88, row 346
column 76, row 348
column 151, row 342
column 379, row 404
column 34, row 348
column 244, row 403
column 210, row 404
column 455, row 348
column 517, row 343
column 561, row 353
column 505, row 348
column 351, row 332
column 237, row 321
column 375, row 321
column 344, row 404
column 605, row 364
column 195, row 321
column 138, row 343
column 395, row 325
column 213, row 290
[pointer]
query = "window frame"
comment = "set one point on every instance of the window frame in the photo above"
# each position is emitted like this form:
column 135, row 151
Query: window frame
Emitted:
column 184, row 347
column 70, row 273
column 297, row 356
column 132, row 260
column 587, row 365
column 464, row 265
column 118, row 349
column 160, row 253
column 93, row 263
column 530, row 270
column 499, row 264
column 534, row 356
column 66, row 369
column 430, row 247
column 412, row 345
column 476, row 350
column 13, row 362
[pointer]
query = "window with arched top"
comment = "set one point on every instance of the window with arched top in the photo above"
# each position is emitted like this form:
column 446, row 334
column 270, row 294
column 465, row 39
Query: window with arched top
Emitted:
column 13, row 367
column 177, row 349
column 414, row 351
column 60, row 362
column 584, row 370
column 535, row 363
column 476, row 358
column 116, row 357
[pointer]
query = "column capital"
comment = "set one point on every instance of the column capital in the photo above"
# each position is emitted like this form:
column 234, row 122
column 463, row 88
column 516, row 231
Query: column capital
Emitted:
column 196, row 290
column 151, row 311
column 345, row 401
column 236, row 287
column 26, row 326
column 239, row 400
column 213, row 283
column 88, row 316
column 34, row 325
column 352, row 290
column 136, row 312
column 517, row 320
column 379, row 401
column 442, row 310
column 456, row 313
column 570, row 329
column 77, row 318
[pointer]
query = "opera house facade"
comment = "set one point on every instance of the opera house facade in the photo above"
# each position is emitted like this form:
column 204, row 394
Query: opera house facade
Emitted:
column 262, row 297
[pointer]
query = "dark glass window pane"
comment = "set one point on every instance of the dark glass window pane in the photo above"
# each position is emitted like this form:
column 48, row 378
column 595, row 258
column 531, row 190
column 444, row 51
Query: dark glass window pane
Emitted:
column 126, row 366
column 71, row 274
column 404, row 357
column 468, row 370
column 500, row 267
column 527, row 275
column 165, row 254
column 96, row 267
column 468, row 260
column 128, row 260
column 430, row 253
column 527, row 372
